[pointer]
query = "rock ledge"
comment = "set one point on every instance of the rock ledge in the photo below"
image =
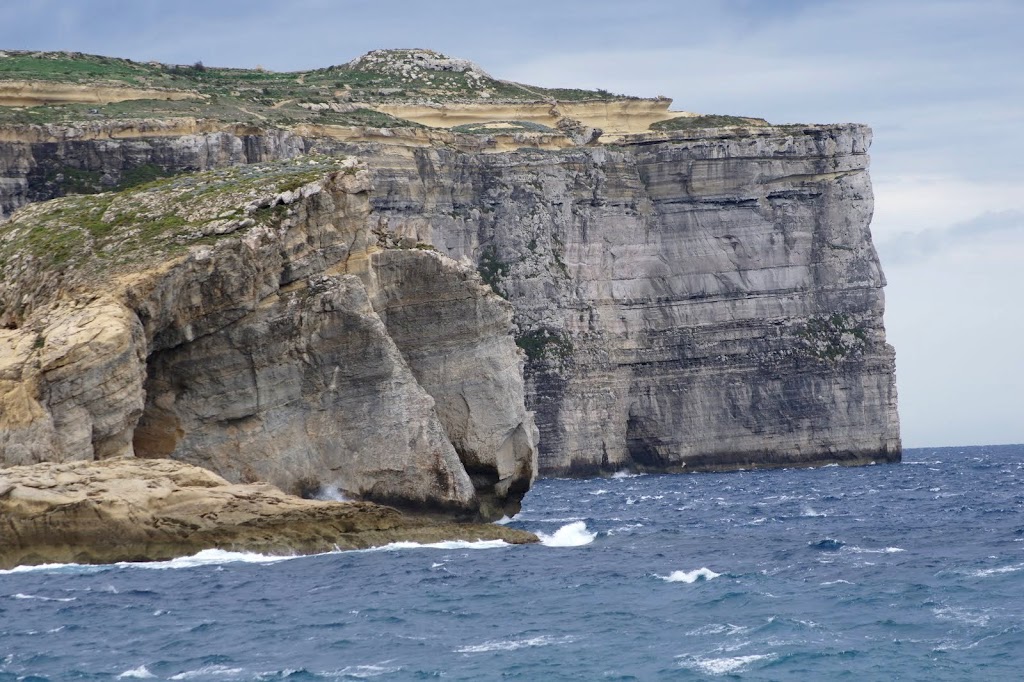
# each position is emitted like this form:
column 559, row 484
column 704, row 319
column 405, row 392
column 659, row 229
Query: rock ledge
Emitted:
column 158, row 509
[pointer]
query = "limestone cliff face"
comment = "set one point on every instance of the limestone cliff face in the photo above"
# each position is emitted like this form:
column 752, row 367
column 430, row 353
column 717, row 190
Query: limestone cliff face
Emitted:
column 38, row 163
column 708, row 300
column 692, row 300
column 260, row 351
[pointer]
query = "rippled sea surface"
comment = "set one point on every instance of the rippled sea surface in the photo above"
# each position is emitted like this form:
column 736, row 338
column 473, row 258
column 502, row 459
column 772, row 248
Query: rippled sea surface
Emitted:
column 912, row 571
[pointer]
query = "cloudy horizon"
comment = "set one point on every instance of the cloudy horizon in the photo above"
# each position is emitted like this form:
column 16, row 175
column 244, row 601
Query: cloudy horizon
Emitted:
column 939, row 81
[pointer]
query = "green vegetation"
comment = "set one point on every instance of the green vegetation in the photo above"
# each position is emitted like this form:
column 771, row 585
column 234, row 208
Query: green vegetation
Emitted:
column 260, row 97
column 545, row 343
column 492, row 269
column 162, row 217
column 77, row 181
column 707, row 121
column 142, row 175
column 833, row 337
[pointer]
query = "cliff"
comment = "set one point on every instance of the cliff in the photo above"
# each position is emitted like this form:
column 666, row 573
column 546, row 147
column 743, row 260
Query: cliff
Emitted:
column 705, row 299
column 342, row 307
column 250, row 321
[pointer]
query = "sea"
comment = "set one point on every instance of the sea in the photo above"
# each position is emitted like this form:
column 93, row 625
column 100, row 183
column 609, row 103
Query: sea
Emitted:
column 911, row 571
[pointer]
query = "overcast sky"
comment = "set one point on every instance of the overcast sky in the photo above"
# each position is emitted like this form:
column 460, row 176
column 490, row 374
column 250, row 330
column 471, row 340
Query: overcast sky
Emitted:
column 941, row 83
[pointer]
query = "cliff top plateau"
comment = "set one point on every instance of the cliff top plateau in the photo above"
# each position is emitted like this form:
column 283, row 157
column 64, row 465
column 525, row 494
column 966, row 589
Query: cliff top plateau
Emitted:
column 382, row 89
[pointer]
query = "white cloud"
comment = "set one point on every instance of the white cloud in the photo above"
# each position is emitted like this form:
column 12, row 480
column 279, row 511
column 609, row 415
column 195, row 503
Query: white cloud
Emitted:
column 920, row 203
column 956, row 324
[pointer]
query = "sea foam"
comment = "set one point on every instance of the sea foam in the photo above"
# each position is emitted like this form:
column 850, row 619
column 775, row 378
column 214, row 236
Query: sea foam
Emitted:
column 331, row 493
column 570, row 535
column 208, row 672
column 453, row 544
column 722, row 666
column 210, row 557
column 513, row 644
column 140, row 673
column 989, row 572
column 702, row 573
column 35, row 596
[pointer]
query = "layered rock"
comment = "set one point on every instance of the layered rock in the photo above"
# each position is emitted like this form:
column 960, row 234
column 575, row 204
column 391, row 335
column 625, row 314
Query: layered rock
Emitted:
column 148, row 510
column 236, row 321
column 695, row 300
column 38, row 163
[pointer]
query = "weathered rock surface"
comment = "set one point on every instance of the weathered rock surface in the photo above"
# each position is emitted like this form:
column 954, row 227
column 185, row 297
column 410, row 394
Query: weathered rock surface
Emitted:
column 146, row 510
column 249, row 338
column 688, row 301
column 695, row 299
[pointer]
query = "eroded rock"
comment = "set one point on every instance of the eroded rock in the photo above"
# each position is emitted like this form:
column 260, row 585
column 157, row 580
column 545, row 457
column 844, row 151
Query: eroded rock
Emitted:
column 148, row 510
column 255, row 349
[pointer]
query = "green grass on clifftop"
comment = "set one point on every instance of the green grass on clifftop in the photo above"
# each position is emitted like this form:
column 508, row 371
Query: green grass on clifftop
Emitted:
column 103, row 232
column 707, row 121
column 259, row 96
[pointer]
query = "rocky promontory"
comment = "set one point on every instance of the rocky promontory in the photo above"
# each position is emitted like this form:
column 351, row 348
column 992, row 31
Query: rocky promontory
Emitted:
column 148, row 510
column 407, row 280
column 251, row 321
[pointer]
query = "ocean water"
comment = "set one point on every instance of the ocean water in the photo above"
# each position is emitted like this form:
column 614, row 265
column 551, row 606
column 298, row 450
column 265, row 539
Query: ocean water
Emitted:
column 912, row 571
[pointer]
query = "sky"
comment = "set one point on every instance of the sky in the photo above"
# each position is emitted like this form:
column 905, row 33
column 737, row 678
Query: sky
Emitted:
column 940, row 82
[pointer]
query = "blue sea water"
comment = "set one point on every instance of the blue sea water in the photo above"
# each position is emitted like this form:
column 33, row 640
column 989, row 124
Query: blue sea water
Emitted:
column 912, row 571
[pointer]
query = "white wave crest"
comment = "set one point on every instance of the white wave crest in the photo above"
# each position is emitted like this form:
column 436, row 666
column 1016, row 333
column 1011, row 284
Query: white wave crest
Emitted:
column 504, row 520
column 723, row 666
column 884, row 550
column 837, row 582
column 625, row 473
column 453, row 544
column 628, row 528
column 717, row 629
column 361, row 672
column 513, row 644
column 702, row 573
column 570, row 535
column 35, row 596
column 208, row 671
column 808, row 512
column 210, row 557
column 989, row 572
column 47, row 567
column 971, row 617
column 140, row 673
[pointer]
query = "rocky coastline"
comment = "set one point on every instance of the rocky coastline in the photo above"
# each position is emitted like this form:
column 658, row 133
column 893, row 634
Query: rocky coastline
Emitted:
column 150, row 510
column 409, row 282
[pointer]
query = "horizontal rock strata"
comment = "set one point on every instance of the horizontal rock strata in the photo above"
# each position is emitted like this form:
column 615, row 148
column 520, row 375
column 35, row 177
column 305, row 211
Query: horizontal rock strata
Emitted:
column 692, row 300
column 148, row 510
column 266, row 333
column 688, row 301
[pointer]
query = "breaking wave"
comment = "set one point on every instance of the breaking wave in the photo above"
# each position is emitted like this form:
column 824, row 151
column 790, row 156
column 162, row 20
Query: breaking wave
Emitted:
column 701, row 573
column 570, row 535
column 722, row 666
